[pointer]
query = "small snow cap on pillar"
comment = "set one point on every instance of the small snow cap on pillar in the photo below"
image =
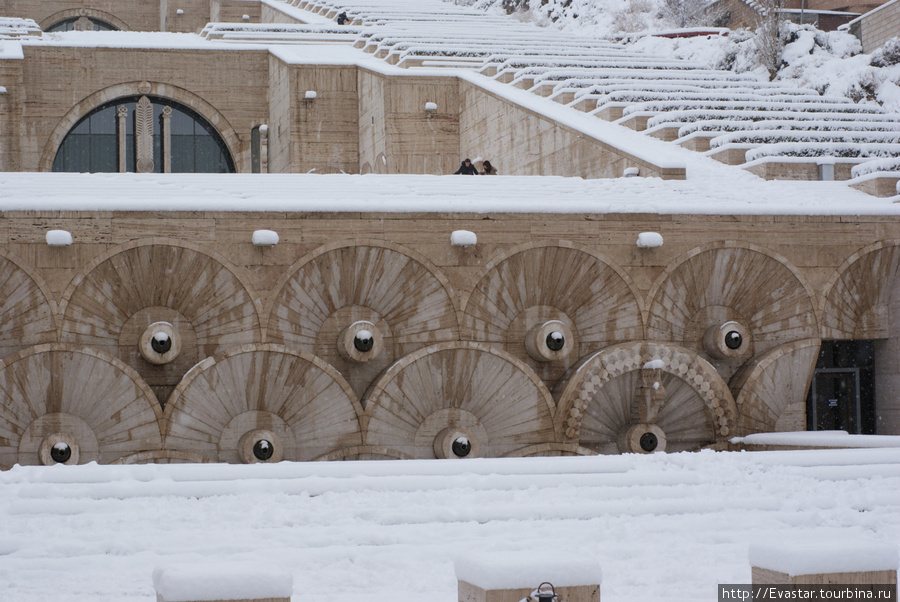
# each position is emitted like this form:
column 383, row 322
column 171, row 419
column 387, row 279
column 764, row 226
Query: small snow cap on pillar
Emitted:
column 631, row 172
column 59, row 238
column 179, row 12
column 431, row 107
column 265, row 238
column 245, row 17
column 463, row 238
column 310, row 95
column 649, row 240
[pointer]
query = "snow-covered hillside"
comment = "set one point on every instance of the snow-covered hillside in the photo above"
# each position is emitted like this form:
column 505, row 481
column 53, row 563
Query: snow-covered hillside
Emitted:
column 663, row 527
column 829, row 62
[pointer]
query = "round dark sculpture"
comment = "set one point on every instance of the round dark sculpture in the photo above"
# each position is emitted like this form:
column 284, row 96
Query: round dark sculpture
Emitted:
column 363, row 343
column 461, row 447
column 263, row 450
column 733, row 339
column 61, row 452
column 649, row 442
column 161, row 346
column 555, row 341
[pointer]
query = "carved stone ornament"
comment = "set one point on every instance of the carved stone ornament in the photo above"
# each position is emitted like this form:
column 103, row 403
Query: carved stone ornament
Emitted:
column 144, row 87
column 143, row 120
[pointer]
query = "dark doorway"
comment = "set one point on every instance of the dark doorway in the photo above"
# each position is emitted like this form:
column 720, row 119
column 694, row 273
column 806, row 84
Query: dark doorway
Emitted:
column 842, row 392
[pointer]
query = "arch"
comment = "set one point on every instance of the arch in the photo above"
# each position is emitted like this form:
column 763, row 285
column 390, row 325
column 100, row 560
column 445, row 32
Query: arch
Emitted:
column 161, row 90
column 401, row 294
column 110, row 304
column 365, row 452
column 858, row 295
column 489, row 395
column 537, row 282
column 91, row 13
column 598, row 398
column 294, row 395
column 94, row 399
column 27, row 308
column 771, row 393
column 551, row 449
column 730, row 281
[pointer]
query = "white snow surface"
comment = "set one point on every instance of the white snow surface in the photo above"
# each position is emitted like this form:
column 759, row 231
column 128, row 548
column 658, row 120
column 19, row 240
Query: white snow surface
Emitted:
column 264, row 238
column 825, row 555
column 819, row 439
column 59, row 238
column 664, row 527
column 463, row 238
column 528, row 568
column 217, row 580
column 711, row 188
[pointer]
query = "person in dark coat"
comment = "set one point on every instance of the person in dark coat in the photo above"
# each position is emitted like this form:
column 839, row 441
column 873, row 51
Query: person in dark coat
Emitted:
column 466, row 168
column 489, row 170
column 342, row 18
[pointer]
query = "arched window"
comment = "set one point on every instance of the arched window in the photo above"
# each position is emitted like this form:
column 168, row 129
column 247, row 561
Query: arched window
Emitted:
column 143, row 134
column 81, row 24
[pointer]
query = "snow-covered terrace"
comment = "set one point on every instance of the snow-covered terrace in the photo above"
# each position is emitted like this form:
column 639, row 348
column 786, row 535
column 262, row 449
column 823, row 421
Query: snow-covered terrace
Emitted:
column 662, row 527
column 588, row 76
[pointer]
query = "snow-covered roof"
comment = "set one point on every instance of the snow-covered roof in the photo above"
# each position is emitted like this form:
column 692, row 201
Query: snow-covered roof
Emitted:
column 711, row 188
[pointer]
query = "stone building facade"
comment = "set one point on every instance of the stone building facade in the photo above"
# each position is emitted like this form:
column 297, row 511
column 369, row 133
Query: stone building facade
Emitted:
column 143, row 335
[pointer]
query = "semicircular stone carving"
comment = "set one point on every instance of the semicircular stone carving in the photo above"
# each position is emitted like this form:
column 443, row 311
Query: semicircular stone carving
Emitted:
column 772, row 392
column 484, row 392
column 299, row 398
column 112, row 306
column 736, row 284
column 26, row 316
column 599, row 399
column 402, row 298
column 93, row 399
column 857, row 305
column 553, row 283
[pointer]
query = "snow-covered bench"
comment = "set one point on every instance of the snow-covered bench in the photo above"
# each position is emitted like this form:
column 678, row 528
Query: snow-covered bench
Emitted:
column 223, row 581
column 823, row 562
column 512, row 576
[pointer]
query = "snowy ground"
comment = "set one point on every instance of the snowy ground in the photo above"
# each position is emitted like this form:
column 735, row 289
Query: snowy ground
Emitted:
column 663, row 527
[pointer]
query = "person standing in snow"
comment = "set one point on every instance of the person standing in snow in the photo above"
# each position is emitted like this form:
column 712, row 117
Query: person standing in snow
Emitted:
column 489, row 170
column 342, row 18
column 466, row 169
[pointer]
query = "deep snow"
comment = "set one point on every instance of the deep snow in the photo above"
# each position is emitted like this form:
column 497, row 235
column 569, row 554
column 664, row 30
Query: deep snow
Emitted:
column 662, row 527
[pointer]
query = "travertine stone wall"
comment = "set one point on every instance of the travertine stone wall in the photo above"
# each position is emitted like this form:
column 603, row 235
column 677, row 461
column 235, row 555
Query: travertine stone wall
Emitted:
column 522, row 142
column 64, row 84
column 397, row 134
column 326, row 129
column 280, row 102
column 12, row 125
column 877, row 27
column 136, row 15
column 233, row 11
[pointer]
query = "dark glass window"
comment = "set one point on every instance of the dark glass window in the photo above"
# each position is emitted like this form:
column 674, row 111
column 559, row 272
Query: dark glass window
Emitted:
column 69, row 25
column 93, row 144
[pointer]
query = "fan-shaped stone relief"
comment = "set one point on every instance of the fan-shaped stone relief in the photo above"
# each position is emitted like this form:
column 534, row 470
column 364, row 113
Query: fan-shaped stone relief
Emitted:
column 730, row 304
column 160, row 308
column 26, row 312
column 73, row 405
column 643, row 397
column 262, row 403
column 361, row 308
column 857, row 301
column 771, row 393
column 551, row 305
column 458, row 400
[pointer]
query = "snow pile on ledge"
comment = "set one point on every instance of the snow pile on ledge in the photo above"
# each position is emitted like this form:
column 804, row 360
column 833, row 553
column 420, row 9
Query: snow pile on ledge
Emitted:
column 819, row 439
column 187, row 582
column 512, row 570
column 825, row 555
